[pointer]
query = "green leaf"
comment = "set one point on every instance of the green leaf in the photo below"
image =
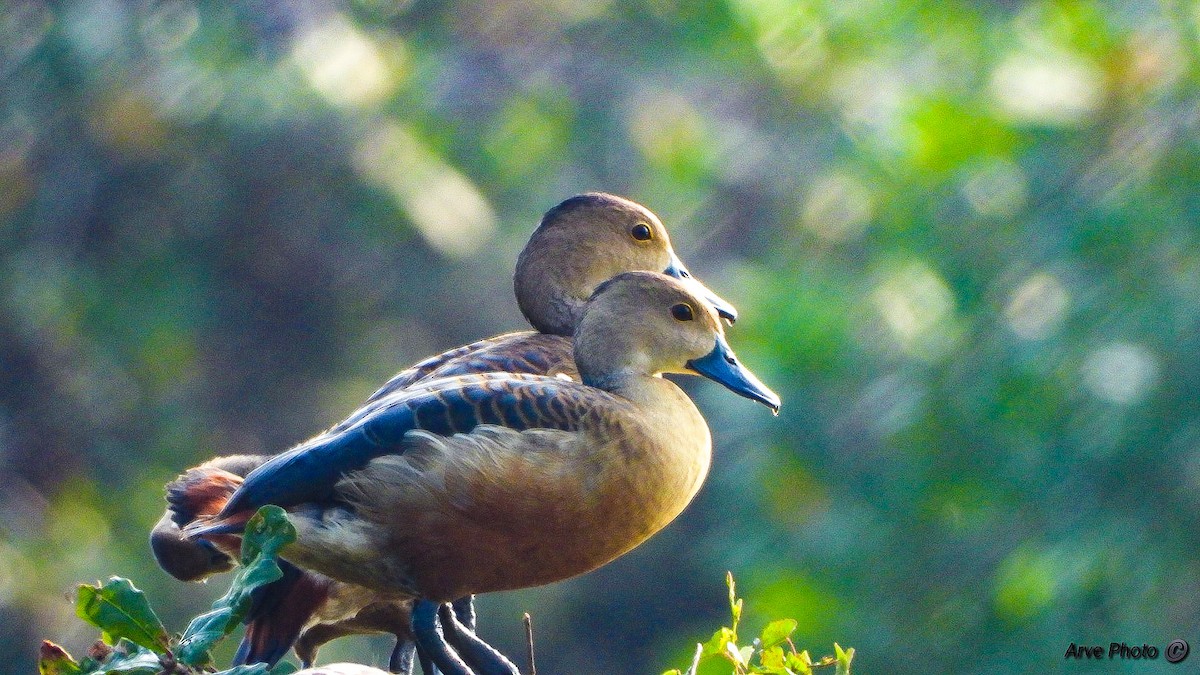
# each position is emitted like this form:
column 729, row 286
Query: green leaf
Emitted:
column 54, row 660
column 772, row 658
column 673, row 671
column 716, row 645
column 129, row 659
column 121, row 611
column 800, row 663
column 284, row 668
column 265, row 533
column 843, row 659
column 777, row 631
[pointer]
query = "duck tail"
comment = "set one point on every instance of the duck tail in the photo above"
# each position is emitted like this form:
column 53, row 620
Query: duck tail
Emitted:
column 217, row 529
column 197, row 496
column 279, row 611
column 200, row 492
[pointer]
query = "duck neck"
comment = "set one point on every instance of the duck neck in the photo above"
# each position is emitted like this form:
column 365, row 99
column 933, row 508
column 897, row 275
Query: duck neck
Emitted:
column 552, row 287
column 657, row 397
column 615, row 382
column 555, row 314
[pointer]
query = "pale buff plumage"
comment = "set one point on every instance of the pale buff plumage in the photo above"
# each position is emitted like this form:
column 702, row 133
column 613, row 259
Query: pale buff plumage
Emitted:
column 500, row 509
column 579, row 243
column 492, row 509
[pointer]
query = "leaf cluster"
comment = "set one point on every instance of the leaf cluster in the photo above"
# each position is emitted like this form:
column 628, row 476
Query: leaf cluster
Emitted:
column 771, row 653
column 133, row 641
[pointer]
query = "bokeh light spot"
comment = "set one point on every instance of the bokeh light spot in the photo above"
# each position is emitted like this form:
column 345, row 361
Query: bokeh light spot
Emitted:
column 445, row 206
column 1026, row 584
column 344, row 65
column 1055, row 88
column 128, row 122
column 1037, row 306
column 913, row 300
column 997, row 189
column 169, row 25
column 670, row 132
column 95, row 27
column 1121, row 372
column 837, row 207
column 23, row 26
column 790, row 36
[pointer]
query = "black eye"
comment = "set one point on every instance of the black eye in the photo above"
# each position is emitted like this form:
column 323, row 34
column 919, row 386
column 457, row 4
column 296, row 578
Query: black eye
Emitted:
column 641, row 232
column 682, row 312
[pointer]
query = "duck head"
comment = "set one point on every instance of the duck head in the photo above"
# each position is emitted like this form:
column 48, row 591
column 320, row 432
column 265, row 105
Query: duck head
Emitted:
column 584, row 241
column 647, row 323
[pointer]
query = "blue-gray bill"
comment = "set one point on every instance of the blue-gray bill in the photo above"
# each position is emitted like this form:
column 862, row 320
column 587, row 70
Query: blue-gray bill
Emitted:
column 720, row 365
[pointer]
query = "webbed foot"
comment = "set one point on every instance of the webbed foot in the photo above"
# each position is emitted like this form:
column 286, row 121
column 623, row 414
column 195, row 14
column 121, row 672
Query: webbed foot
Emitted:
column 403, row 658
column 432, row 648
column 445, row 643
column 484, row 658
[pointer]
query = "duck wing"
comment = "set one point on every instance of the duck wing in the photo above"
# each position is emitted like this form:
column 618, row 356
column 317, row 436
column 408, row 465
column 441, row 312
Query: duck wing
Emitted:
column 310, row 471
column 523, row 352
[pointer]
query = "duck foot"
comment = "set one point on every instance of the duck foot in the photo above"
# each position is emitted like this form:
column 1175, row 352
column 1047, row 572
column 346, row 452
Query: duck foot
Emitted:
column 444, row 643
column 403, row 658
column 484, row 658
column 432, row 648
column 464, row 609
column 427, row 666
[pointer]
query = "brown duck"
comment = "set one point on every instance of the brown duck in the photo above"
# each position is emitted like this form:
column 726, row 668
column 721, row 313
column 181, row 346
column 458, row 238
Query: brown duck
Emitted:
column 579, row 243
column 497, row 481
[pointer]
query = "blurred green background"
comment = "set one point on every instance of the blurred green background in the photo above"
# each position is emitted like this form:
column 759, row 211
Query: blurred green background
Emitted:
column 963, row 236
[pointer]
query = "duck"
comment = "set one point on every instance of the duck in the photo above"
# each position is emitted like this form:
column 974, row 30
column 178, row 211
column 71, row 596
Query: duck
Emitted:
column 578, row 244
column 497, row 481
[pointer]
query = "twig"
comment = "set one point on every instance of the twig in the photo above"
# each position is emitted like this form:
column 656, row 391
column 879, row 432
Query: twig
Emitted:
column 529, row 642
column 695, row 660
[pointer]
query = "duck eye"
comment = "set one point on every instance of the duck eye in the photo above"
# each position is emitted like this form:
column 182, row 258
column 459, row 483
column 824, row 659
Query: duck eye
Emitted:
column 682, row 312
column 641, row 232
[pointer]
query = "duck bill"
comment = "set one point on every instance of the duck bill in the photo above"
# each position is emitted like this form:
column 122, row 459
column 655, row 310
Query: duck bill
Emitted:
column 720, row 365
column 724, row 309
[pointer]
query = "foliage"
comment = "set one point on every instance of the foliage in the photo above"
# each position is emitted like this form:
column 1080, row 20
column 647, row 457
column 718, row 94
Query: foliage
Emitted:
column 133, row 639
column 121, row 612
column 266, row 533
column 766, row 654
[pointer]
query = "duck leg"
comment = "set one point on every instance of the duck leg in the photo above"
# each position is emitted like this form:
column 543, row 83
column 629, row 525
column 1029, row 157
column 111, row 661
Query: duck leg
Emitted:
column 484, row 658
column 403, row 657
column 464, row 609
column 426, row 665
column 402, row 662
column 405, row 652
column 431, row 642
